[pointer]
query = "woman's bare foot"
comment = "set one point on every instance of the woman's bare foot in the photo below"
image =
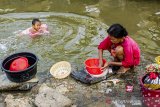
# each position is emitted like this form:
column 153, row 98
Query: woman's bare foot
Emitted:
column 123, row 70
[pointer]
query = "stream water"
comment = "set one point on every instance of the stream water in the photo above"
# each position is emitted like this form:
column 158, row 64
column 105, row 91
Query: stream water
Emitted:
column 77, row 27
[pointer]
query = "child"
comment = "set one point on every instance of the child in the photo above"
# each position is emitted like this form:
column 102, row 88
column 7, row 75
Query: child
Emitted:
column 122, row 47
column 37, row 29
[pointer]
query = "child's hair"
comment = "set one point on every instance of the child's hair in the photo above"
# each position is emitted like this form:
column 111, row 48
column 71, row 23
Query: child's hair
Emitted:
column 35, row 20
column 117, row 31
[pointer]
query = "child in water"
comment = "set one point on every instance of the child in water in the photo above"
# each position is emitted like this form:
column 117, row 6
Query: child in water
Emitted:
column 122, row 47
column 37, row 29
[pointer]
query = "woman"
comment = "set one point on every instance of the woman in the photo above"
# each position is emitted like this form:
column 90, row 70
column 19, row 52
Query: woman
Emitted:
column 122, row 47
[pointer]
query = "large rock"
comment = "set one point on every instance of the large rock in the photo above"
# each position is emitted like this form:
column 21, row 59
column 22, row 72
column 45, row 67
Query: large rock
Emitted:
column 7, row 85
column 48, row 97
column 17, row 102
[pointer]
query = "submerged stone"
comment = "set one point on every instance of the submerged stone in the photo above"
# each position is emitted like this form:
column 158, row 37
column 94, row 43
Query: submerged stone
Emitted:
column 51, row 97
column 7, row 85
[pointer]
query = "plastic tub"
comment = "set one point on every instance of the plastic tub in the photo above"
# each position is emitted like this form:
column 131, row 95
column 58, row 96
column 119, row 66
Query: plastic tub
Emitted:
column 22, row 75
column 92, row 66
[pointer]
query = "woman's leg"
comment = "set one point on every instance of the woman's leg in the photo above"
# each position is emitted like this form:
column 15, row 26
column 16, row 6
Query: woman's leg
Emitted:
column 123, row 70
column 120, row 56
column 119, row 53
column 115, row 52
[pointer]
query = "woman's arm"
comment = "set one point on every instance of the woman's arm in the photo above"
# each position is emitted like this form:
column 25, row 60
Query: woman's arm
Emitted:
column 115, row 63
column 111, row 63
column 104, row 45
column 100, row 54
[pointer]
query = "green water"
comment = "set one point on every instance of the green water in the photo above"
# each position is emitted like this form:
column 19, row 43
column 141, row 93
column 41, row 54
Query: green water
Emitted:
column 74, row 36
column 77, row 27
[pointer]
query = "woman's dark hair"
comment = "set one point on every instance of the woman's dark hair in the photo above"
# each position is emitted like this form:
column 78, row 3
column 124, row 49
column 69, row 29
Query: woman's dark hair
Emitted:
column 35, row 20
column 117, row 31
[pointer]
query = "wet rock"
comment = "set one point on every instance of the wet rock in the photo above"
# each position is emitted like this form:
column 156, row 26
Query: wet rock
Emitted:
column 93, row 10
column 18, row 102
column 74, row 106
column 7, row 85
column 3, row 47
column 146, row 24
column 71, row 87
column 157, row 13
column 2, row 105
column 62, row 89
column 2, row 11
column 51, row 97
column 98, row 104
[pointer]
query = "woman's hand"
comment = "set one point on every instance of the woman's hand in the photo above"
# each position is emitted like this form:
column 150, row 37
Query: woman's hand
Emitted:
column 105, row 66
column 100, row 63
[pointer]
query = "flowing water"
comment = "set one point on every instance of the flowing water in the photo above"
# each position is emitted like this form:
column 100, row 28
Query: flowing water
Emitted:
column 77, row 27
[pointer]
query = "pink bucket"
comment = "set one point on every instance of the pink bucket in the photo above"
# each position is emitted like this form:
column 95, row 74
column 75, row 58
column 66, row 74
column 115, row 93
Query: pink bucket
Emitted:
column 151, row 98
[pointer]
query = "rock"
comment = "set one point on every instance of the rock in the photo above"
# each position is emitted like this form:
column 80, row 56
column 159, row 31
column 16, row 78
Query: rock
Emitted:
column 99, row 104
column 93, row 10
column 2, row 104
column 19, row 102
column 7, row 85
column 157, row 13
column 74, row 106
column 51, row 97
column 2, row 11
column 62, row 89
